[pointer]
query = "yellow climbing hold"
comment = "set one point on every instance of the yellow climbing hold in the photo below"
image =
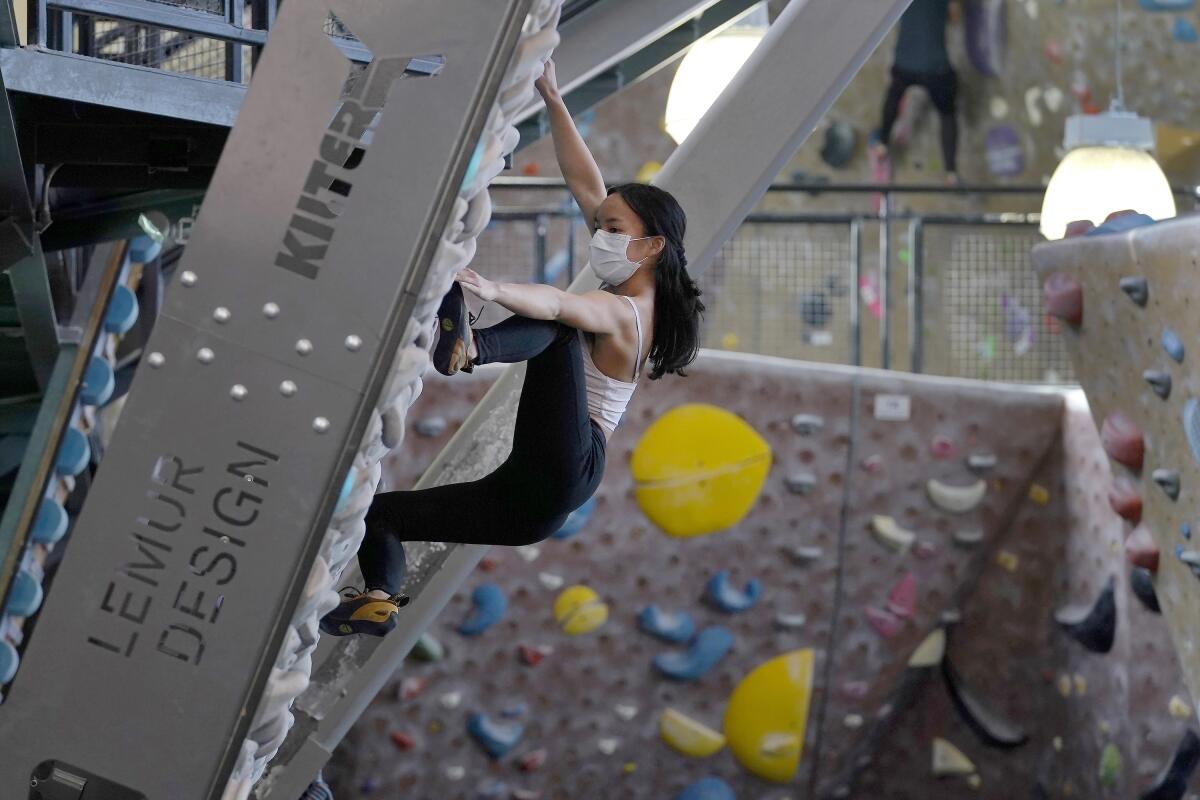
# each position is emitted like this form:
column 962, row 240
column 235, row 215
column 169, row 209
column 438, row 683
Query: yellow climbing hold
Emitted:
column 730, row 341
column 699, row 469
column 1080, row 685
column 1179, row 708
column 1039, row 494
column 890, row 534
column 1008, row 559
column 629, row 768
column 688, row 736
column 767, row 716
column 1064, row 685
column 647, row 171
column 974, row 781
column 949, row 760
column 579, row 609
column 929, row 652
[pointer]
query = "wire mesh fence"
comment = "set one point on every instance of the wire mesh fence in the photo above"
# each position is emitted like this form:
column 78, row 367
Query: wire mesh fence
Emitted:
column 150, row 46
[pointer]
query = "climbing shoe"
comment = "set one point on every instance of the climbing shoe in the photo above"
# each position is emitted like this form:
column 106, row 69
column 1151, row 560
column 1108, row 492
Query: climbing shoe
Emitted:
column 361, row 613
column 454, row 333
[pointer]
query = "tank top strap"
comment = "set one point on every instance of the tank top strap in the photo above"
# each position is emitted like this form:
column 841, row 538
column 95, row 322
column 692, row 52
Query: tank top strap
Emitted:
column 637, row 318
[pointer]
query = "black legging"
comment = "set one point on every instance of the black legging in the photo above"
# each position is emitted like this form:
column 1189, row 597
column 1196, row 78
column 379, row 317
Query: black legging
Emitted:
column 556, row 463
column 943, row 92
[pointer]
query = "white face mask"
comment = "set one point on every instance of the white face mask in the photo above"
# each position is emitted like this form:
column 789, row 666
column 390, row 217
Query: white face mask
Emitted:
column 608, row 253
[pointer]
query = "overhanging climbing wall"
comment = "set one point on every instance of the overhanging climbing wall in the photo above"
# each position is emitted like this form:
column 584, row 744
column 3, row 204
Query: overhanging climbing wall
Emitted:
column 591, row 704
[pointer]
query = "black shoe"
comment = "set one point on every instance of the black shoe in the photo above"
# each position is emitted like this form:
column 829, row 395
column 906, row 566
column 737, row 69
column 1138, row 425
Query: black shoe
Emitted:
column 454, row 333
column 360, row 613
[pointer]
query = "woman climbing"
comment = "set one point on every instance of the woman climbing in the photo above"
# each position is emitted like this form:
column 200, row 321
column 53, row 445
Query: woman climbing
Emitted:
column 585, row 353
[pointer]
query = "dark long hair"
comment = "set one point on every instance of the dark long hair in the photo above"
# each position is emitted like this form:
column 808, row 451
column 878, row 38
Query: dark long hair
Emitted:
column 677, row 306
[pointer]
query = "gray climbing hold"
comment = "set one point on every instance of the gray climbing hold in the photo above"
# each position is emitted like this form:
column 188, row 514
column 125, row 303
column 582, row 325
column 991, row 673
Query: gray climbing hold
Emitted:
column 804, row 554
column 1172, row 344
column 1093, row 626
column 987, row 724
column 1168, row 480
column 1142, row 583
column 969, row 537
column 1191, row 426
column 790, row 620
column 980, row 463
column 801, row 482
column 430, row 427
column 807, row 424
column 1159, row 381
column 1172, row 784
column 1137, row 289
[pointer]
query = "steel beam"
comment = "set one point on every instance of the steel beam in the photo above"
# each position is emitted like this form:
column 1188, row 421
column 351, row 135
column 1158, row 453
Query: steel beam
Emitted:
column 809, row 56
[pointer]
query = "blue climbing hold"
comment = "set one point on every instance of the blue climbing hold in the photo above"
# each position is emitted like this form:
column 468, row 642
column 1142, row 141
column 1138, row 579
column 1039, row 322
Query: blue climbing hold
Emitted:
column 489, row 603
column 677, row 627
column 577, row 520
column 51, row 522
column 143, row 249
column 1184, row 31
column 495, row 738
column 1121, row 224
column 1185, row 530
column 73, row 453
column 98, row 382
column 515, row 711
column 8, row 661
column 1172, row 344
column 496, row 790
column 707, row 789
column 1165, row 5
column 25, row 596
column 122, row 311
column 730, row 599
column 709, row 647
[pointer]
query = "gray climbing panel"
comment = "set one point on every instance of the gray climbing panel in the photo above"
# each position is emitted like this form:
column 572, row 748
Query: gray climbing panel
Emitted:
column 155, row 645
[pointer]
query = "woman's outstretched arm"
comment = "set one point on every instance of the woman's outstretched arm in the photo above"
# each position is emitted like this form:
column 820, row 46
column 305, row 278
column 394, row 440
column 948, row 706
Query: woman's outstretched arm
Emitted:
column 574, row 159
column 594, row 312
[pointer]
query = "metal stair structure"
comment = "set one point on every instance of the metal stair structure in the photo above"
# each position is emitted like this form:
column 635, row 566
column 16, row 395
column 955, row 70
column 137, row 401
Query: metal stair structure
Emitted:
column 176, row 655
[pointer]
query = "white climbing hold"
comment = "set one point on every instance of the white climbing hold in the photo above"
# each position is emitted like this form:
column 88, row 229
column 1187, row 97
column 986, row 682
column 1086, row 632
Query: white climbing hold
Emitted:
column 801, row 483
column 803, row 554
column 450, row 700
column 949, row 760
column 892, row 535
column 1053, row 97
column 807, row 424
column 1032, row 95
column 956, row 499
column 550, row 580
column 1058, row 744
column 853, row 721
column 998, row 107
column 790, row 620
column 455, row 772
column 981, row 462
column 608, row 746
column 529, row 552
column 625, row 711
column 969, row 537
column 951, row 616
column 929, row 652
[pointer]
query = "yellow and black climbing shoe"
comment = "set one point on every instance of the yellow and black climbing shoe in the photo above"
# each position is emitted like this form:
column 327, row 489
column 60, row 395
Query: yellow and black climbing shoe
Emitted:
column 361, row 613
column 454, row 333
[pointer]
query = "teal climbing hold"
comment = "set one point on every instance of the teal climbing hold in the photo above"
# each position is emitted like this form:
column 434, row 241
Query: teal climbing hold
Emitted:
column 98, row 382
column 489, row 604
column 473, row 165
column 1172, row 344
column 8, row 661
column 496, row 738
column 577, row 520
column 73, row 453
column 725, row 596
column 122, row 311
column 25, row 595
column 51, row 522
column 1120, row 224
column 677, row 627
column 347, row 487
column 1191, row 426
column 709, row 647
column 1166, row 5
column 707, row 789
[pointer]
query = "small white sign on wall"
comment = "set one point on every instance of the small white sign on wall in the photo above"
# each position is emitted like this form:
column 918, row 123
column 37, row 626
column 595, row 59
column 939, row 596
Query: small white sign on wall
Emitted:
column 893, row 407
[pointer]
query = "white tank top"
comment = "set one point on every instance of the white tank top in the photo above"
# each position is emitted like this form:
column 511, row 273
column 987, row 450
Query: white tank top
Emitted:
column 608, row 397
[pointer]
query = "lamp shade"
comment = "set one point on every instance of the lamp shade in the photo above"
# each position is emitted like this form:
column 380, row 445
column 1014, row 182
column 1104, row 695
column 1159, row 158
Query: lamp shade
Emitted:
column 1092, row 182
column 704, row 73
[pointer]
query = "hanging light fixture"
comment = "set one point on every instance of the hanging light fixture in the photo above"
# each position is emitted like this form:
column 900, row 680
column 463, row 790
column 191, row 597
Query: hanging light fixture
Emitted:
column 708, row 68
column 1108, row 167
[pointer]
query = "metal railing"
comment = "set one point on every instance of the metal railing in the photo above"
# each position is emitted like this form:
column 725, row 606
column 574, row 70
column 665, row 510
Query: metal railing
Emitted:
column 947, row 294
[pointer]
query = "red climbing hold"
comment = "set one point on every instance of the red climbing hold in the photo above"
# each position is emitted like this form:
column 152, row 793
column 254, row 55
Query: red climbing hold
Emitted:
column 1140, row 549
column 885, row 623
column 488, row 564
column 1123, row 440
column 941, row 447
column 902, row 600
column 403, row 740
column 1124, row 498
column 1063, row 297
column 411, row 687
column 533, row 760
column 1079, row 227
column 532, row 656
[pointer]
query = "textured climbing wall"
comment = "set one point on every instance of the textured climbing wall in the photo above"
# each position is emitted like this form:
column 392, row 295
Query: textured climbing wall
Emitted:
column 593, row 701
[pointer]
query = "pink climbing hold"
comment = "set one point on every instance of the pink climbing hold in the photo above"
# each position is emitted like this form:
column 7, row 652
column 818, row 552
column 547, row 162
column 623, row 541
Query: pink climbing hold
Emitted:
column 1079, row 227
column 902, row 600
column 532, row 655
column 1124, row 498
column 884, row 622
column 924, row 550
column 941, row 447
column 1122, row 440
column 1124, row 212
column 527, row 794
column 873, row 464
column 1063, row 298
column 412, row 687
column 403, row 740
column 533, row 760
column 1140, row 549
